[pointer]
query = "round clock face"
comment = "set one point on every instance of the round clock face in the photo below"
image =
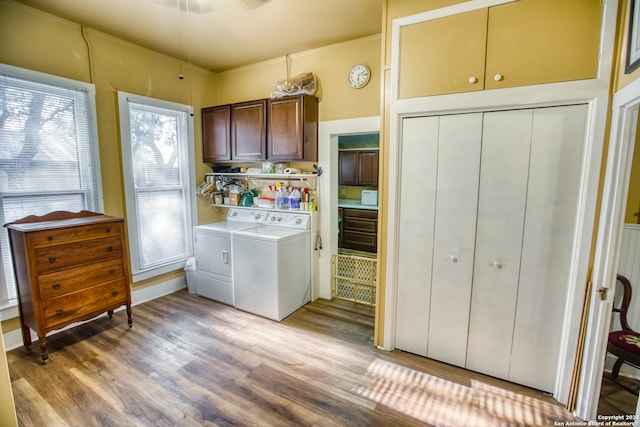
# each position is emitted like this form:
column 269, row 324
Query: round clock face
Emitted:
column 359, row 76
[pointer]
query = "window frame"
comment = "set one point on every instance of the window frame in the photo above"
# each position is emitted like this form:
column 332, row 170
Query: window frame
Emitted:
column 133, row 226
column 96, row 201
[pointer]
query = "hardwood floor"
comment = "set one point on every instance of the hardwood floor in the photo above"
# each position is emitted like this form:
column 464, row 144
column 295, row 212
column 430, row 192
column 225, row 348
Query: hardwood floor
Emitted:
column 189, row 361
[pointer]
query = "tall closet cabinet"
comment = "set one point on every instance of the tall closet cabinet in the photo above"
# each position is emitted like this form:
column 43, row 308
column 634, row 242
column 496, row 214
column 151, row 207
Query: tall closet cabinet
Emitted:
column 485, row 238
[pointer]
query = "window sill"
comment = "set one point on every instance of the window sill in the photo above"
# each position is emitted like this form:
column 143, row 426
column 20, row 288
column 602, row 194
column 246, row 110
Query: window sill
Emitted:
column 9, row 310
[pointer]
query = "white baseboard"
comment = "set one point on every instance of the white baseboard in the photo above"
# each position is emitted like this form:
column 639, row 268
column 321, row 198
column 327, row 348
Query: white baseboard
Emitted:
column 13, row 339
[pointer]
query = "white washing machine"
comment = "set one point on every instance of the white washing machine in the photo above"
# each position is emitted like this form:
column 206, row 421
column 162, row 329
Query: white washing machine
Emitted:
column 272, row 266
column 213, row 253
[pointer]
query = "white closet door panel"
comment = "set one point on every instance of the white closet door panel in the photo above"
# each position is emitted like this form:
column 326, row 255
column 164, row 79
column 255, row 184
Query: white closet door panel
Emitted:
column 419, row 150
column 454, row 236
column 502, row 194
column 550, row 224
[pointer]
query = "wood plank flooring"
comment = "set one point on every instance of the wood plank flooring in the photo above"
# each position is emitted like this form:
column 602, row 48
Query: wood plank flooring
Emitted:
column 189, row 361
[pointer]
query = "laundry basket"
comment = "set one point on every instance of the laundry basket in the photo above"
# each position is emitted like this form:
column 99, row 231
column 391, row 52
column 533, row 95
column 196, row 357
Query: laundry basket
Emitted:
column 354, row 279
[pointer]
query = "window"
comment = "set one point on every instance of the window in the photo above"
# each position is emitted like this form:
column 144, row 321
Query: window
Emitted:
column 48, row 152
column 157, row 154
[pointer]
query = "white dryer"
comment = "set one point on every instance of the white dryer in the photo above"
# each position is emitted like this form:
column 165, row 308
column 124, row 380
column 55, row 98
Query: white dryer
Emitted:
column 272, row 266
column 213, row 253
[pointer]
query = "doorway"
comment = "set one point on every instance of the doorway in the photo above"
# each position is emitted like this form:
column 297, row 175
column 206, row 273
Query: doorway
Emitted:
column 329, row 135
column 623, row 136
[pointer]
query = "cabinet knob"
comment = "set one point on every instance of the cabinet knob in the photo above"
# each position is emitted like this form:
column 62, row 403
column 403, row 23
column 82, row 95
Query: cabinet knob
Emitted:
column 112, row 270
column 498, row 77
column 58, row 311
column 56, row 285
column 52, row 259
column 454, row 259
column 114, row 293
column 497, row 265
column 473, row 80
column 49, row 238
column 109, row 248
column 108, row 229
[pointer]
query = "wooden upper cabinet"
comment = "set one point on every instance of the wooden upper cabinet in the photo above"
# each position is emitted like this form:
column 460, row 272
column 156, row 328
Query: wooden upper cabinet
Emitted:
column 368, row 168
column 522, row 43
column 542, row 41
column 348, row 167
column 358, row 168
column 216, row 134
column 441, row 55
column 293, row 128
column 248, row 130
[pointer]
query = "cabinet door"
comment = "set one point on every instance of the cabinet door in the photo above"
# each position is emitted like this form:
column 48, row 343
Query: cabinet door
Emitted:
column 216, row 134
column 248, row 131
column 557, row 152
column 542, row 41
column 348, row 168
column 441, row 55
column 506, row 141
column 417, row 196
column 454, row 236
column 293, row 128
column 368, row 168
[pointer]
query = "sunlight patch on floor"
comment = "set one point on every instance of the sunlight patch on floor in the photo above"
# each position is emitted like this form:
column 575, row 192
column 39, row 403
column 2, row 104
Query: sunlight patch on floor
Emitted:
column 440, row 402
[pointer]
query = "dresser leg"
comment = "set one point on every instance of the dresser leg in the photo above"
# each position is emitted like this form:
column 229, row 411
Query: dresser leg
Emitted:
column 43, row 348
column 26, row 337
column 110, row 313
column 129, row 315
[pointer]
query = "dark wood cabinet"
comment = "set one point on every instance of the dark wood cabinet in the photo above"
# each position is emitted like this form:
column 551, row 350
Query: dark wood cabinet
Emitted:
column 216, row 134
column 284, row 129
column 358, row 168
column 69, row 267
column 249, row 130
column 359, row 229
column 293, row 128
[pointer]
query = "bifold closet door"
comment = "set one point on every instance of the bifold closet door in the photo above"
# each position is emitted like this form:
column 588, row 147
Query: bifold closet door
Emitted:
column 459, row 144
column 439, row 188
column 504, row 166
column 419, row 159
column 555, row 171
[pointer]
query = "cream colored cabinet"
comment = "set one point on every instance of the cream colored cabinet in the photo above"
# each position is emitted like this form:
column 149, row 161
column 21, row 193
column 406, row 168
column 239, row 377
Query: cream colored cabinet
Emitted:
column 484, row 252
column 516, row 44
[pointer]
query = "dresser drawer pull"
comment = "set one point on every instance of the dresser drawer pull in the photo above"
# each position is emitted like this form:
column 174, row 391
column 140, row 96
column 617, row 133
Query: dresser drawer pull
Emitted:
column 108, row 229
column 112, row 270
column 49, row 238
column 114, row 293
column 58, row 311
column 56, row 285
column 109, row 248
column 52, row 259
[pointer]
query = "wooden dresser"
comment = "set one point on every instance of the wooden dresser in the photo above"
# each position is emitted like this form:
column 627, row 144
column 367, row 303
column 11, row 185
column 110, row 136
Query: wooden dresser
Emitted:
column 69, row 267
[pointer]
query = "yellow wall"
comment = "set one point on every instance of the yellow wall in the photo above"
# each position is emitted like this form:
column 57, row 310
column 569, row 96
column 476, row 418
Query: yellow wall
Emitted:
column 632, row 213
column 7, row 411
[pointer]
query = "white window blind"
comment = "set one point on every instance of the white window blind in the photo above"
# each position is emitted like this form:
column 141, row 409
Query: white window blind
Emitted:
column 48, row 152
column 157, row 155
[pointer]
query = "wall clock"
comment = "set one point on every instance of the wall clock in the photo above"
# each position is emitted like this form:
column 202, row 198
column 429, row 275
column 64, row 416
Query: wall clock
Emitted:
column 359, row 76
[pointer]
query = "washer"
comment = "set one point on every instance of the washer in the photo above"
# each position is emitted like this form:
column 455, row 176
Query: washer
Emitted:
column 213, row 253
column 272, row 266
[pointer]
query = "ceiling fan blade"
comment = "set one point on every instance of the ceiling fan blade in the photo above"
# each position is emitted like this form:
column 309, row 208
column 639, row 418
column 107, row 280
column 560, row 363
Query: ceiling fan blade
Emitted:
column 252, row 4
column 191, row 6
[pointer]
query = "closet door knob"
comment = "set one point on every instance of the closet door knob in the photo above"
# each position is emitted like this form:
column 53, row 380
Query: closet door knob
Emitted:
column 498, row 77
column 473, row 80
column 454, row 259
column 497, row 264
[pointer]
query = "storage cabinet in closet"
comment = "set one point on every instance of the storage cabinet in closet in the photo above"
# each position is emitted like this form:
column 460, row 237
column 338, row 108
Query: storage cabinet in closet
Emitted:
column 484, row 253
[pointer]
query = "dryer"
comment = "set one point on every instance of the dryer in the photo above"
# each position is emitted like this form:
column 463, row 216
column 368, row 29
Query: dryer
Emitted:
column 213, row 253
column 272, row 266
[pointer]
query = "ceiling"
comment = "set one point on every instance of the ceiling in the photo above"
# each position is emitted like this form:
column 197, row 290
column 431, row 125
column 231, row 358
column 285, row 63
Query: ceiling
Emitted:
column 224, row 34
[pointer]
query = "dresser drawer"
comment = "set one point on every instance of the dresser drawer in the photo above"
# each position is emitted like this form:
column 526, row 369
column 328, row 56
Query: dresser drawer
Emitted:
column 66, row 281
column 62, row 235
column 51, row 258
column 58, row 312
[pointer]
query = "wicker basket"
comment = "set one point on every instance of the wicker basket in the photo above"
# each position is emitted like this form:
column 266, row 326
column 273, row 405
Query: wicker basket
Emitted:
column 354, row 279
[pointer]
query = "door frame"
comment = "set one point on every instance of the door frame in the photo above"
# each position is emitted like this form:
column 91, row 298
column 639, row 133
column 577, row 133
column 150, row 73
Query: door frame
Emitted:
column 624, row 121
column 328, row 133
